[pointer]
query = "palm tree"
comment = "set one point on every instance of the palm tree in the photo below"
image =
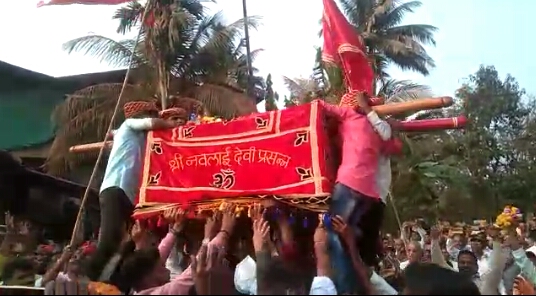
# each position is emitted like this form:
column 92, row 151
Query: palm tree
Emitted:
column 387, row 41
column 182, row 51
column 303, row 90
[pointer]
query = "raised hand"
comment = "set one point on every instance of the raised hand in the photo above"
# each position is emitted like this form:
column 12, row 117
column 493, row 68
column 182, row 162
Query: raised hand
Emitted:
column 228, row 218
column 261, row 234
column 212, row 225
column 203, row 264
column 24, row 228
column 138, row 232
column 342, row 229
column 10, row 222
column 321, row 234
column 435, row 233
column 256, row 211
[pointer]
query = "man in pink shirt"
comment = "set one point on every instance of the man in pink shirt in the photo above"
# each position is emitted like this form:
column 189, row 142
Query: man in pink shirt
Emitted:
column 356, row 196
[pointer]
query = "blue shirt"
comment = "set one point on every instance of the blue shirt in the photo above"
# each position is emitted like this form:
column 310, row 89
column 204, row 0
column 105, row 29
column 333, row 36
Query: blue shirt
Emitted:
column 126, row 158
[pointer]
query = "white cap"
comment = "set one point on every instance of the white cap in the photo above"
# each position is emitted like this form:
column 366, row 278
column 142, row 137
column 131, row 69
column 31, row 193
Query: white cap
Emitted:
column 532, row 250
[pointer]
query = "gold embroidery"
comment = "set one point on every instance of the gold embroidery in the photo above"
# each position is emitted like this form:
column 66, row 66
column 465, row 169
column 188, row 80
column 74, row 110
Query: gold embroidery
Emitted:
column 261, row 122
column 304, row 173
column 154, row 179
column 301, row 137
column 157, row 148
column 187, row 131
column 225, row 179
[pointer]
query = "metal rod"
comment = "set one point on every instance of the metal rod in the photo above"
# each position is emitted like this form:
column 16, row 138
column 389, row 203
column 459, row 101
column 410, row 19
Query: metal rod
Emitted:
column 248, row 49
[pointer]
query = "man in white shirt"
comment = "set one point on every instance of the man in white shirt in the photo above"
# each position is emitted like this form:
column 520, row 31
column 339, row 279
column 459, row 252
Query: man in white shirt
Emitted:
column 121, row 179
column 245, row 280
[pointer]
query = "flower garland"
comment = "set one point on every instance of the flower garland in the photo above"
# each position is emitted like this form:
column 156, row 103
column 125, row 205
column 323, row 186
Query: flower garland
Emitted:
column 100, row 288
column 508, row 218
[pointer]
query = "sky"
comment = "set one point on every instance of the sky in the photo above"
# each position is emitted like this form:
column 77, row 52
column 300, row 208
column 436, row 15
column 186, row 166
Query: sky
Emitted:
column 471, row 33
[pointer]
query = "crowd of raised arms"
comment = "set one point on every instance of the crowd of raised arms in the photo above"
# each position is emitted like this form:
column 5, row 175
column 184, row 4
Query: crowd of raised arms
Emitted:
column 442, row 259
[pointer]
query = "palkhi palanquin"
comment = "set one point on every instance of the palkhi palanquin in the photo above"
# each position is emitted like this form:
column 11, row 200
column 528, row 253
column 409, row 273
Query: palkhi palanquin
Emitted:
column 284, row 154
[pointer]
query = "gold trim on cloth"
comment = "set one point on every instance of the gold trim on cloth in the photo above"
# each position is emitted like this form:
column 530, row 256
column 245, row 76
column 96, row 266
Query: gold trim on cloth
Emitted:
column 146, row 167
column 313, row 122
column 230, row 141
column 213, row 189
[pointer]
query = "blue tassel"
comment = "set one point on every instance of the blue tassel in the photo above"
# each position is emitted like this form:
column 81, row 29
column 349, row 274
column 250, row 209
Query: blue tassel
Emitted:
column 291, row 219
column 305, row 222
column 327, row 220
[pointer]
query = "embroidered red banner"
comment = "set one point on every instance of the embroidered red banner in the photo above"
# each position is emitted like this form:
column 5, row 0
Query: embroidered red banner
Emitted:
column 281, row 153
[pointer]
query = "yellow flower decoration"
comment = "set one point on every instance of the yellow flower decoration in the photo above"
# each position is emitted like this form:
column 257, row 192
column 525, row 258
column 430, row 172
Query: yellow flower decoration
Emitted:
column 508, row 217
column 99, row 288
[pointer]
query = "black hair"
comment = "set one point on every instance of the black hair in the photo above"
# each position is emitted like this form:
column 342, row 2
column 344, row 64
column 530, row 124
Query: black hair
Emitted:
column 14, row 265
column 137, row 265
column 467, row 252
column 272, row 270
column 432, row 279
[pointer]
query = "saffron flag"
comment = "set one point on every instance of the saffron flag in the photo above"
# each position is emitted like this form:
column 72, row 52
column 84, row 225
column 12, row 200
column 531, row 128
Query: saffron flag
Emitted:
column 85, row 2
column 344, row 46
column 281, row 153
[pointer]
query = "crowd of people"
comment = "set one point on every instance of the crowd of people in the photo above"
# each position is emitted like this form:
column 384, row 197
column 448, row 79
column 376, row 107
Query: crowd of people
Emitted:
column 277, row 259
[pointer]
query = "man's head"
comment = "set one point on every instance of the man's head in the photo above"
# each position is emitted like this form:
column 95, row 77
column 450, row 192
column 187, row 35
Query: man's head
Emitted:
column 414, row 251
column 275, row 278
column 459, row 240
column 478, row 243
column 432, row 279
column 467, row 263
column 178, row 115
column 140, row 109
column 19, row 272
column 142, row 270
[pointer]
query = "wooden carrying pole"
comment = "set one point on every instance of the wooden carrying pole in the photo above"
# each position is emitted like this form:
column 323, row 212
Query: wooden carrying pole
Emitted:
column 383, row 110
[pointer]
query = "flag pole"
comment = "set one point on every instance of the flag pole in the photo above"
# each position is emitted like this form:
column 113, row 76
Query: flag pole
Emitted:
column 248, row 48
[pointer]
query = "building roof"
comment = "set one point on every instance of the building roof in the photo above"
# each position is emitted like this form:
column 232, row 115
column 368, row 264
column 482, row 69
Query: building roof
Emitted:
column 27, row 100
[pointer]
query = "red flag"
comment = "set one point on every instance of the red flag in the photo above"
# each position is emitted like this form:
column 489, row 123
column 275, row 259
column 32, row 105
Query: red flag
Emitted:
column 345, row 47
column 85, row 2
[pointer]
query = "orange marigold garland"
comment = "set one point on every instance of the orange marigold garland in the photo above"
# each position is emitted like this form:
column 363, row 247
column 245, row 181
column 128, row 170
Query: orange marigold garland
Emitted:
column 508, row 218
column 100, row 288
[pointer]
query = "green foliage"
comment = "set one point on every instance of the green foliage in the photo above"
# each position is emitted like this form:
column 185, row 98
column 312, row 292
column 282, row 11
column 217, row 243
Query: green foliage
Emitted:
column 387, row 41
column 184, row 51
column 270, row 97
column 472, row 173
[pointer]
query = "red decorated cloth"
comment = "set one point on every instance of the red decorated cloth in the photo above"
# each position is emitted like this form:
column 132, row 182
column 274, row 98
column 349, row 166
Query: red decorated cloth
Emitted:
column 344, row 46
column 281, row 153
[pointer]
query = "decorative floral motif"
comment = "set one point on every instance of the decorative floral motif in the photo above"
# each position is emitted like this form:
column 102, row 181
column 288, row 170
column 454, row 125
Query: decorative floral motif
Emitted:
column 154, row 179
column 304, row 173
column 261, row 122
column 157, row 148
column 301, row 137
column 187, row 131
